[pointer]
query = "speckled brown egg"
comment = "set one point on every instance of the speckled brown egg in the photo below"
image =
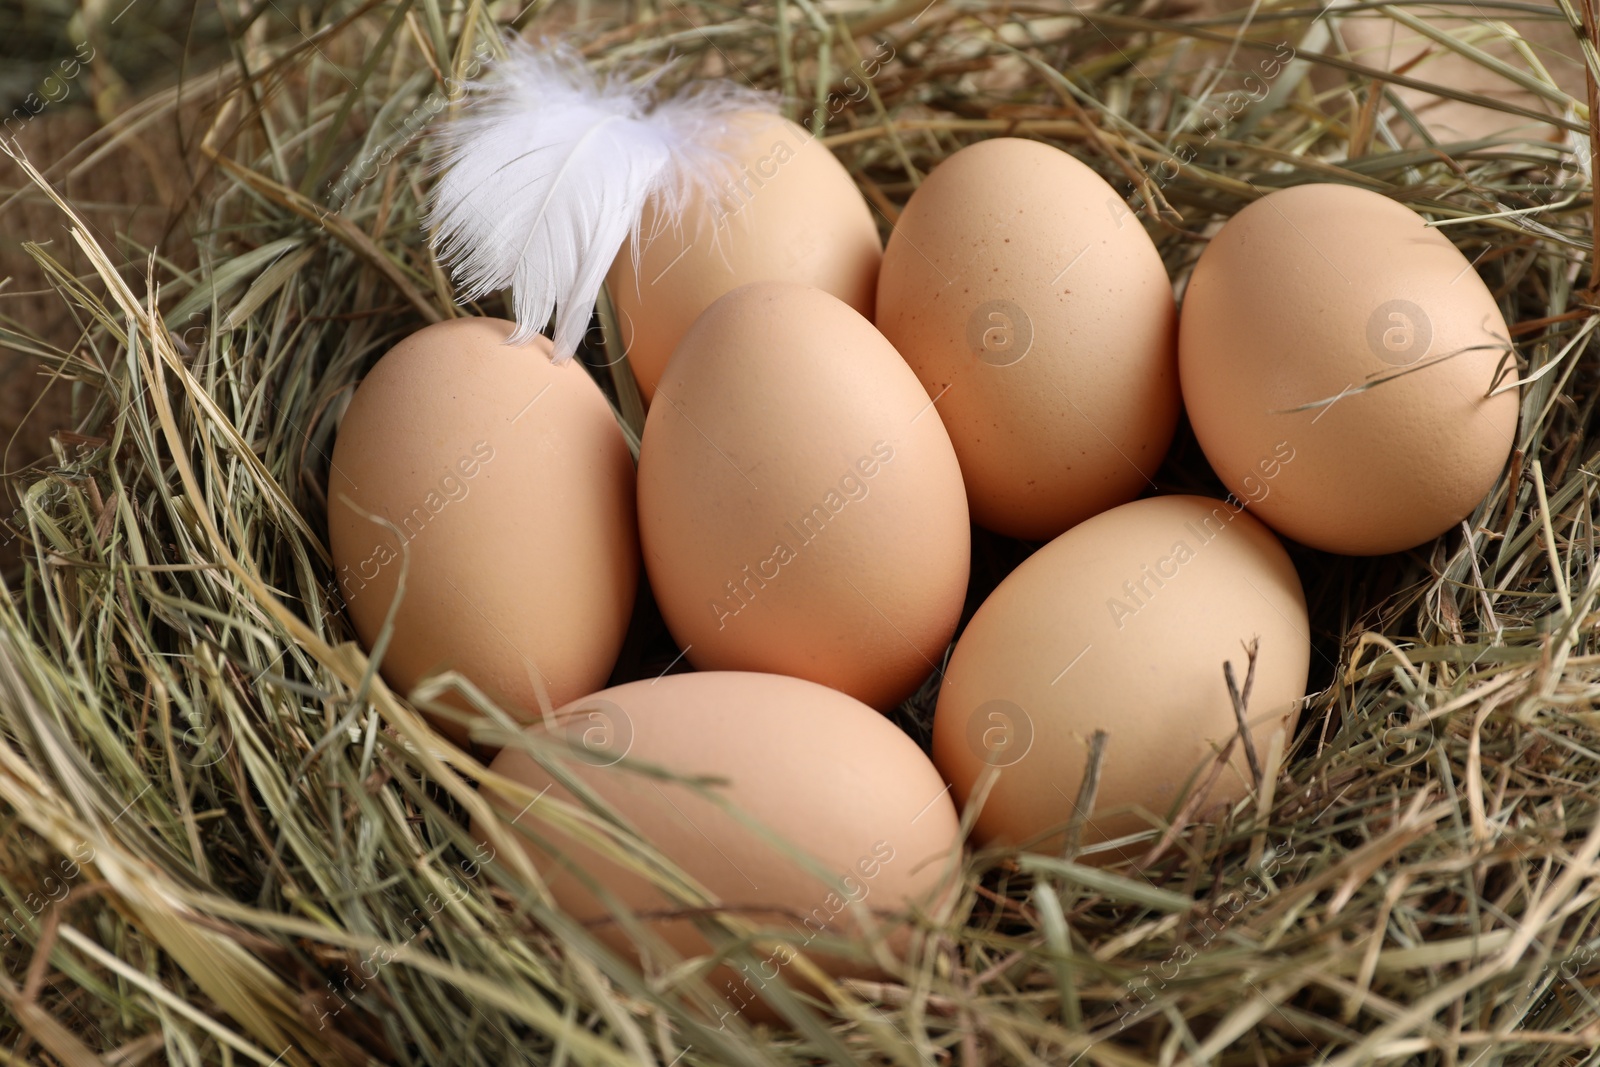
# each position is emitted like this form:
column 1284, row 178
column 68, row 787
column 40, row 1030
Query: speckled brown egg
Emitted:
column 788, row 211
column 1039, row 317
column 863, row 818
column 1122, row 624
column 499, row 486
column 800, row 505
column 1337, row 356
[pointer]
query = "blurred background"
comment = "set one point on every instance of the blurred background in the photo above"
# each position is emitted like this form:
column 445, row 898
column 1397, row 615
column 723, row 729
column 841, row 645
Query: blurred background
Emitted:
column 66, row 71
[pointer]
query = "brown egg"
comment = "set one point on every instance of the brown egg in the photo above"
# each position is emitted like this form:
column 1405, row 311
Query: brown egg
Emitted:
column 790, row 212
column 800, row 505
column 826, row 774
column 1331, row 324
column 1122, row 624
column 1039, row 316
column 1384, row 44
column 502, row 489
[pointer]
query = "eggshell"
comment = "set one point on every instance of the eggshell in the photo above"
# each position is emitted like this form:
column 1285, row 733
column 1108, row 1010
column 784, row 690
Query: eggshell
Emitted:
column 1345, row 304
column 507, row 498
column 789, row 211
column 828, row 775
column 1038, row 314
column 1122, row 624
column 1384, row 44
column 800, row 505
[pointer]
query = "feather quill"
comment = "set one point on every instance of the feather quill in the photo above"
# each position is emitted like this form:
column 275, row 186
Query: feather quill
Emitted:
column 546, row 172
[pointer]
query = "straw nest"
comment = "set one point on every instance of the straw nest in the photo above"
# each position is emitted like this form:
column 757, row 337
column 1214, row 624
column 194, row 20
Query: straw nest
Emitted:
column 225, row 841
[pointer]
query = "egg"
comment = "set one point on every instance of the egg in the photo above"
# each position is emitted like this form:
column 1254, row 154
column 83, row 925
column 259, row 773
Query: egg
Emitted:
column 498, row 488
column 1039, row 317
column 1122, row 624
column 800, row 505
column 829, row 776
column 1386, row 45
column 1332, row 323
column 788, row 211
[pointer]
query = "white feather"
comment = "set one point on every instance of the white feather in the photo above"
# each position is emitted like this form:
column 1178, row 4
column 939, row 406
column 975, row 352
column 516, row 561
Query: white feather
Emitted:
column 547, row 170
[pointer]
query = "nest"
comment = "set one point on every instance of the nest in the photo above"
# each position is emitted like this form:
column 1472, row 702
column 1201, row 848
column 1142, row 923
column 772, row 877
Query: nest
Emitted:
column 226, row 841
